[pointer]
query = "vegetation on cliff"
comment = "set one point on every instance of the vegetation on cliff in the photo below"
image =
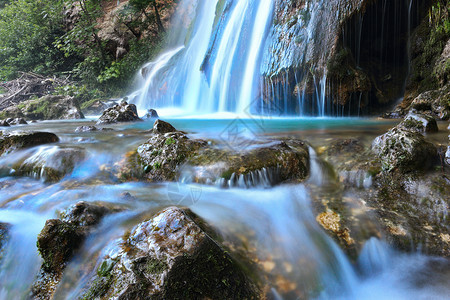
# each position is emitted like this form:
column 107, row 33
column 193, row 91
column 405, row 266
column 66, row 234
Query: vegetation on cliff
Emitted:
column 100, row 44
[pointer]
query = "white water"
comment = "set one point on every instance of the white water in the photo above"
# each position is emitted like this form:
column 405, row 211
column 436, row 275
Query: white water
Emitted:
column 218, row 71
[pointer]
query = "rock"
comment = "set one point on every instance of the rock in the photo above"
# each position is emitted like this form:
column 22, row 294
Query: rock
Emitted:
column 85, row 214
column 345, row 145
column 412, row 209
column 60, row 239
column 18, row 140
column 96, row 107
column 170, row 153
column 161, row 156
column 12, row 112
column 392, row 115
column 57, row 242
column 91, row 129
column 4, row 123
column 51, row 163
column 16, row 121
column 435, row 103
column 171, row 257
column 52, row 107
column 404, row 150
column 419, row 123
column 151, row 114
column 86, row 129
column 162, row 127
column 262, row 165
column 122, row 112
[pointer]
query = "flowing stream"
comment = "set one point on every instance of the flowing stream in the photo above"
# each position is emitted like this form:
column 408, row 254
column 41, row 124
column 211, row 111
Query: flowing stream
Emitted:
column 277, row 225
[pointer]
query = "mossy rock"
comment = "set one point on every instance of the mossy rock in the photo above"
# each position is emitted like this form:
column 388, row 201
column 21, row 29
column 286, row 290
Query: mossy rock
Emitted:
column 19, row 140
column 404, row 150
column 171, row 257
column 60, row 239
column 266, row 164
column 419, row 123
column 52, row 107
column 122, row 112
column 161, row 156
column 51, row 163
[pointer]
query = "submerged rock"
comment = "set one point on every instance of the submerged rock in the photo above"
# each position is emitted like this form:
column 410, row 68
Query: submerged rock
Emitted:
column 419, row 123
column 18, row 140
column 122, row 112
column 404, row 150
column 60, row 239
column 51, row 163
column 91, row 129
column 171, row 257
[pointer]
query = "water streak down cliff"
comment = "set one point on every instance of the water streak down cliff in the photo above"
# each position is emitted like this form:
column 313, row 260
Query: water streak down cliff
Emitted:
column 274, row 57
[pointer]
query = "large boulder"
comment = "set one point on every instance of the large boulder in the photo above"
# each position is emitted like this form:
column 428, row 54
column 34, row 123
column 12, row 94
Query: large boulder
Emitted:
column 404, row 150
column 171, row 256
column 51, row 163
column 419, row 123
column 122, row 112
column 264, row 164
column 52, row 107
column 169, row 154
column 435, row 103
column 19, row 140
column 60, row 239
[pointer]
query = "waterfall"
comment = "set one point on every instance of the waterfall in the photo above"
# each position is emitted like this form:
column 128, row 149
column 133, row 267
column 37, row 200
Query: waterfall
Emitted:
column 218, row 69
column 232, row 56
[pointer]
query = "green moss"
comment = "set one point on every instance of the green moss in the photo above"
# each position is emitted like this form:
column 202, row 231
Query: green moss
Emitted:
column 105, row 268
column 227, row 174
column 155, row 266
column 98, row 288
column 88, row 104
column 170, row 141
column 157, row 165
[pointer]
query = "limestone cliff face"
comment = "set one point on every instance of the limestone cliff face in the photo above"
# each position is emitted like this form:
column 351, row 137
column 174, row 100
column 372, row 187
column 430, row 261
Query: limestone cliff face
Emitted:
column 348, row 56
column 306, row 33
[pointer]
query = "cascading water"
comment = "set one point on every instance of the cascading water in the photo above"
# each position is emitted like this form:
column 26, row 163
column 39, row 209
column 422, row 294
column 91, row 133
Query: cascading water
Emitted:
column 219, row 69
column 225, row 60
column 277, row 222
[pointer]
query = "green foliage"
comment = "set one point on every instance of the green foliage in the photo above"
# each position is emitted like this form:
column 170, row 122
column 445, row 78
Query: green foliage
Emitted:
column 28, row 29
column 82, row 93
column 439, row 17
column 33, row 37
